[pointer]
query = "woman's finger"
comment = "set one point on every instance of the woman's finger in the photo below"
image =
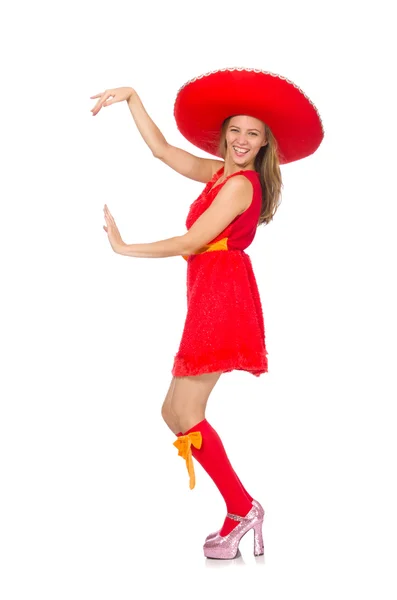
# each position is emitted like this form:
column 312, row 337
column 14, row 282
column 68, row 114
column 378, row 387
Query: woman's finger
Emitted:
column 102, row 98
column 110, row 222
column 108, row 216
column 111, row 101
column 107, row 212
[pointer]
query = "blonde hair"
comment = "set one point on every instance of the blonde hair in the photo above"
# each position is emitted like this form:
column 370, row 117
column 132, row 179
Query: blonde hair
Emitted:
column 268, row 166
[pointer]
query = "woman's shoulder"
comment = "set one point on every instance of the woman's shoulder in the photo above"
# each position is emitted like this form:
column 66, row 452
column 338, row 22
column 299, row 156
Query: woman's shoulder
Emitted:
column 244, row 175
column 254, row 178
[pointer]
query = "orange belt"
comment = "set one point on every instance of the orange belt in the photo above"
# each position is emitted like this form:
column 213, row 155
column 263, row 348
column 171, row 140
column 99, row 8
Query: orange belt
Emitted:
column 220, row 245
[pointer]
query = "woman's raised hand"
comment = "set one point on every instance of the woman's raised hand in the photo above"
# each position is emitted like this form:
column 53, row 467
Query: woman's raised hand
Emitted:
column 117, row 95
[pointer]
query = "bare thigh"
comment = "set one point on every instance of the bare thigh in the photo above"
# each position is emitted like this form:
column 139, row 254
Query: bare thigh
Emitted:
column 189, row 396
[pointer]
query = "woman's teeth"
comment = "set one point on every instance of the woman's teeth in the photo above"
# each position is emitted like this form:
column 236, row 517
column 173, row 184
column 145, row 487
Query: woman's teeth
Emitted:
column 239, row 150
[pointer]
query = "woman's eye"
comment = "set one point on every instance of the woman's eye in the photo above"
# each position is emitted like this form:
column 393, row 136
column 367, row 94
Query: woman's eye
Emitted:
column 233, row 129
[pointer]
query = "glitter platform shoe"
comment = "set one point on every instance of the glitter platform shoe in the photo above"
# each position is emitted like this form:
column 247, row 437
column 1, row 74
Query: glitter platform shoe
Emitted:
column 215, row 533
column 227, row 547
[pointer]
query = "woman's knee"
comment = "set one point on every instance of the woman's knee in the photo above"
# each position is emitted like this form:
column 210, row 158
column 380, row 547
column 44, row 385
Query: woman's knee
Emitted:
column 166, row 413
column 170, row 419
column 180, row 418
column 186, row 400
column 189, row 398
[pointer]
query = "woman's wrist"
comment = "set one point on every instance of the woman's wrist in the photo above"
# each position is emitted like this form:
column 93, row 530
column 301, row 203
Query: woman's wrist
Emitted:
column 132, row 95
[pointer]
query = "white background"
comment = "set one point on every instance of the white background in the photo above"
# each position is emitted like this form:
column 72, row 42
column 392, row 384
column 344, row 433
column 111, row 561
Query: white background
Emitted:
column 94, row 501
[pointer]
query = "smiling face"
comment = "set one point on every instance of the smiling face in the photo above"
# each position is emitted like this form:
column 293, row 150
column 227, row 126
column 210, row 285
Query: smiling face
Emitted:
column 245, row 136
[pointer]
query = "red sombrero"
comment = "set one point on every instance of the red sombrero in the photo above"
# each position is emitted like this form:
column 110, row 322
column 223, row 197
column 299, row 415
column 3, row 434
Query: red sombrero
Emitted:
column 203, row 103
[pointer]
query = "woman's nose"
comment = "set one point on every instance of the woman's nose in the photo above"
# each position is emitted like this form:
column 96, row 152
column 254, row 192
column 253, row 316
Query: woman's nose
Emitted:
column 241, row 141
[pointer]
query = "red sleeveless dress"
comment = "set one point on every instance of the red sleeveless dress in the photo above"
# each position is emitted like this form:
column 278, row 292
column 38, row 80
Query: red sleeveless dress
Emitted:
column 224, row 326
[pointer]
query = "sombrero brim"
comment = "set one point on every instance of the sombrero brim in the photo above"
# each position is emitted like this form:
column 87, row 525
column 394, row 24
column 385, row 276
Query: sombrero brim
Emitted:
column 203, row 103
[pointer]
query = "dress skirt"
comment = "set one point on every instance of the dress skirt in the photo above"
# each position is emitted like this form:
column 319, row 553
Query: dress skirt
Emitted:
column 224, row 326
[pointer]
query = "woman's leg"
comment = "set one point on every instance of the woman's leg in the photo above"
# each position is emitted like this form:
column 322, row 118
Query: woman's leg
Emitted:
column 166, row 410
column 171, row 418
column 187, row 403
column 183, row 409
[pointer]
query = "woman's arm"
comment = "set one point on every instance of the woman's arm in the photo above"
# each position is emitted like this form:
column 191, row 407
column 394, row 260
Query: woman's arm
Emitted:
column 189, row 165
column 231, row 201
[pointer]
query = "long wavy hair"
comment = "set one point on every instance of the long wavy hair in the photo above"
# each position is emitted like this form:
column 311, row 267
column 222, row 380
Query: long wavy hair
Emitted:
column 268, row 166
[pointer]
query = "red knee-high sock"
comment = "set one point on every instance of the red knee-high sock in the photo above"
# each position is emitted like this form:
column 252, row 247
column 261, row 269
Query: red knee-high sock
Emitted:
column 249, row 496
column 214, row 460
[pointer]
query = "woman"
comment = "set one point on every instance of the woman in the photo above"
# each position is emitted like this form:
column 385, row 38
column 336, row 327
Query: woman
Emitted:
column 254, row 121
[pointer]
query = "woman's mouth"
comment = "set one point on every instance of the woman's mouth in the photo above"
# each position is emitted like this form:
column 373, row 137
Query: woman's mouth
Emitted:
column 240, row 151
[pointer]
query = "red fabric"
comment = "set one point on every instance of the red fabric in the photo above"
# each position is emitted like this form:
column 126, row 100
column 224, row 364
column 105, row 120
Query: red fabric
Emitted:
column 214, row 460
column 224, row 326
column 204, row 103
column 249, row 495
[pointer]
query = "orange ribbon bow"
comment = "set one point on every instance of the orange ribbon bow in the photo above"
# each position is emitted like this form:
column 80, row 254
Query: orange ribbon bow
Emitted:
column 183, row 443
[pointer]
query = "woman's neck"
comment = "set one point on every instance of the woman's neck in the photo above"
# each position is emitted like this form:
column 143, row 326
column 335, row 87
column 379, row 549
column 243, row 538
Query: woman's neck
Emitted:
column 230, row 168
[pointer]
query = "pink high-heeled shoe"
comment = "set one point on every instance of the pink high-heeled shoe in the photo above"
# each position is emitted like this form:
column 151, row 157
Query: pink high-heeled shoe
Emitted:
column 215, row 533
column 226, row 547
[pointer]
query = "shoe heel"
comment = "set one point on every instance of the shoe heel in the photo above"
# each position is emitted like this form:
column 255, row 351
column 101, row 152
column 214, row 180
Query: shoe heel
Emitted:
column 258, row 539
